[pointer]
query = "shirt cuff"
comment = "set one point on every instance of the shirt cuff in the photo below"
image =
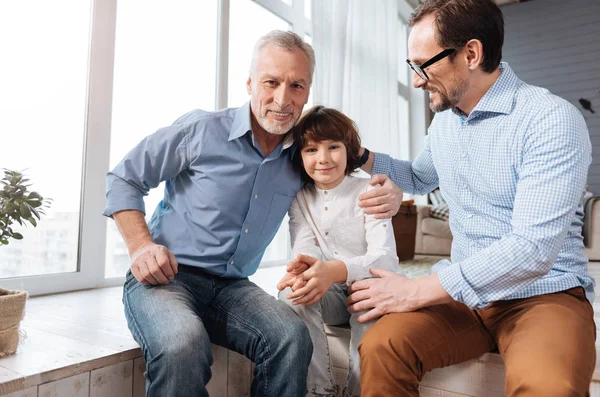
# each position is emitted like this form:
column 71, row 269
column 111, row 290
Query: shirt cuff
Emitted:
column 356, row 271
column 123, row 205
column 121, row 196
column 382, row 164
column 458, row 288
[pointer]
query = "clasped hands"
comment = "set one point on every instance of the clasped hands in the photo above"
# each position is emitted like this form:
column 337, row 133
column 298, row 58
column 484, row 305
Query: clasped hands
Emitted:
column 309, row 278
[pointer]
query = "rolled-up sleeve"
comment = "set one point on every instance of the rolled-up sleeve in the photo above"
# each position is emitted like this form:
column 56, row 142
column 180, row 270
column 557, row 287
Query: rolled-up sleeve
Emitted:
column 158, row 157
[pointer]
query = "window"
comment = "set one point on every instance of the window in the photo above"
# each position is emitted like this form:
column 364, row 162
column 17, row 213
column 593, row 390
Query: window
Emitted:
column 403, row 90
column 83, row 81
column 165, row 60
column 43, row 77
column 243, row 34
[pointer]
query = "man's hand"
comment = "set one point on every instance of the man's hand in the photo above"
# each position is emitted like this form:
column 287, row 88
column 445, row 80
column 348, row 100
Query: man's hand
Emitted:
column 383, row 201
column 153, row 264
column 319, row 278
column 392, row 293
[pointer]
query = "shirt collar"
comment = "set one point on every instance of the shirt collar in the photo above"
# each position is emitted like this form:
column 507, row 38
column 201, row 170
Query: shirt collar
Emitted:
column 500, row 97
column 339, row 190
column 242, row 125
column 241, row 122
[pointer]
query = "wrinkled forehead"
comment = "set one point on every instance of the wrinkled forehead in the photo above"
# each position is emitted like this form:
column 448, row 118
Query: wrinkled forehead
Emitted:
column 422, row 43
column 282, row 62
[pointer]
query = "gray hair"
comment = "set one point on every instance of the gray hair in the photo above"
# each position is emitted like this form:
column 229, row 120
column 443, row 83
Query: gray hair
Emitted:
column 287, row 41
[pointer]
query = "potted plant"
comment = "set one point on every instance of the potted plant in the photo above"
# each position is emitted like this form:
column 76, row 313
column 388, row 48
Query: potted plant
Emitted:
column 17, row 205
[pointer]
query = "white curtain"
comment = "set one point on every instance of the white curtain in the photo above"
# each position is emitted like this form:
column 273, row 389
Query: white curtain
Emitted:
column 356, row 49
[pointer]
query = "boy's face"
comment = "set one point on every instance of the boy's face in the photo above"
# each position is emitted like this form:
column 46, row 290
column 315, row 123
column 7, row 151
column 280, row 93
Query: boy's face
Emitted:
column 325, row 162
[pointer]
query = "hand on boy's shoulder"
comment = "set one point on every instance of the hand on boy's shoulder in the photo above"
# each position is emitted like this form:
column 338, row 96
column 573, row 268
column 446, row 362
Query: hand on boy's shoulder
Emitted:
column 384, row 200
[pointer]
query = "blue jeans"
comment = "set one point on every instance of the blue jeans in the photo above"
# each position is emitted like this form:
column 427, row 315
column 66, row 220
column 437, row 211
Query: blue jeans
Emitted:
column 176, row 323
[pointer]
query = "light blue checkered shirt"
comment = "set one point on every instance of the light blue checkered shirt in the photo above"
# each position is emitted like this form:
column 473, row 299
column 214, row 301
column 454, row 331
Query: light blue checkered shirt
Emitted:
column 513, row 173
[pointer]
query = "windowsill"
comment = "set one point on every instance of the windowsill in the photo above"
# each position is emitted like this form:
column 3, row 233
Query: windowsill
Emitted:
column 76, row 332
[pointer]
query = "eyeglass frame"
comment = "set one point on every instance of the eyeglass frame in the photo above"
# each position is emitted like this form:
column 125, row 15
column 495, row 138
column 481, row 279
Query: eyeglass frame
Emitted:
column 419, row 69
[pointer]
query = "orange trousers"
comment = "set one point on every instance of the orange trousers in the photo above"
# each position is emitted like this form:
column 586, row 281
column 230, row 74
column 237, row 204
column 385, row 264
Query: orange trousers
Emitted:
column 546, row 341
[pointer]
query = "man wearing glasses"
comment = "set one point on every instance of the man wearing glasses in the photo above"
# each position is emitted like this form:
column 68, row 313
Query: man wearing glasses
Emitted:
column 511, row 160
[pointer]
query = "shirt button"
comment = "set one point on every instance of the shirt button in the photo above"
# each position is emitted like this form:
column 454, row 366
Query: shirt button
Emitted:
column 246, row 231
column 384, row 225
column 327, row 233
column 464, row 155
column 465, row 186
column 256, row 196
column 326, row 209
column 325, row 192
column 470, row 216
column 335, row 252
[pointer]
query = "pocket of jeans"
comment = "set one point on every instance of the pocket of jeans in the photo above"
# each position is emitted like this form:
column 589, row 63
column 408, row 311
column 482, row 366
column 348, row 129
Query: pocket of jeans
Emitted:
column 129, row 279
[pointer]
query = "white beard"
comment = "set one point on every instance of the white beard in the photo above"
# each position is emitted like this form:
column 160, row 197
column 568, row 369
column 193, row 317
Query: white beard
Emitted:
column 274, row 127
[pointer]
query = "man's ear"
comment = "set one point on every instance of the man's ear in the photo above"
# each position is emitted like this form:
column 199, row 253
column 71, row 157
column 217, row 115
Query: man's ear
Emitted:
column 249, row 85
column 474, row 53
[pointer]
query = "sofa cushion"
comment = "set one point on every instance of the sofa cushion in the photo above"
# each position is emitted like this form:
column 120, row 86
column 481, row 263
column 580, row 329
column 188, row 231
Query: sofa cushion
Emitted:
column 436, row 227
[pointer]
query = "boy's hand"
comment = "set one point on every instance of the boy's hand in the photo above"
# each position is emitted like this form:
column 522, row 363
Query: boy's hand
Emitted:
column 294, row 268
column 294, row 281
column 318, row 279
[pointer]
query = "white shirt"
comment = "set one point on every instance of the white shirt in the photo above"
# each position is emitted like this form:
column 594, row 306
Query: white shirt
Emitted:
column 329, row 224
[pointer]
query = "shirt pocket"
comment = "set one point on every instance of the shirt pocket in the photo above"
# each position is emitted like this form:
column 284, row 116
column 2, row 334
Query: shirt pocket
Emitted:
column 279, row 207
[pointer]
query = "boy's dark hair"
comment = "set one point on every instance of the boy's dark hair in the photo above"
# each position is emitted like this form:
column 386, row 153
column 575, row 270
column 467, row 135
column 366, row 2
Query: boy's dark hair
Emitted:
column 458, row 21
column 319, row 124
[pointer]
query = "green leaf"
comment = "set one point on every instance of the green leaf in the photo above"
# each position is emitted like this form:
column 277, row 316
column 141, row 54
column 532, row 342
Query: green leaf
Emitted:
column 34, row 212
column 32, row 221
column 34, row 195
column 25, row 211
column 17, row 236
column 34, row 204
column 4, row 241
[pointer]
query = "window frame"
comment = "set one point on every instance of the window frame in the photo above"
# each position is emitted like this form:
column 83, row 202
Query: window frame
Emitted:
column 96, row 155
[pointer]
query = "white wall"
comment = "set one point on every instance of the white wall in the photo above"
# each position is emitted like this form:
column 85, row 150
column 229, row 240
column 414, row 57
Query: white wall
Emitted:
column 556, row 44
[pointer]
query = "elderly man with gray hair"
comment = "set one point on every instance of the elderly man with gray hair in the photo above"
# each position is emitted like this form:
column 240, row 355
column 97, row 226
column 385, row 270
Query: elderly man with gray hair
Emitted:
column 229, row 182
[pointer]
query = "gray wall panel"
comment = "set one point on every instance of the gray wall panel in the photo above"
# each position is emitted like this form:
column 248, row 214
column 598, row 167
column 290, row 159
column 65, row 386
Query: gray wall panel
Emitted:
column 556, row 44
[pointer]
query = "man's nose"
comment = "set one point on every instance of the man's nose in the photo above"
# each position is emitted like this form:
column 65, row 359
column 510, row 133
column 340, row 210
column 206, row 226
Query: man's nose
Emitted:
column 418, row 81
column 282, row 96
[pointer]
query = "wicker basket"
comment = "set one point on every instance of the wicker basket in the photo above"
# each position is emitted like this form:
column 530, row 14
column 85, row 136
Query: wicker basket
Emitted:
column 12, row 310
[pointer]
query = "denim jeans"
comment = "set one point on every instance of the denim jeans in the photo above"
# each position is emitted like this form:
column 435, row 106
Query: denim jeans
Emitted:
column 176, row 323
column 331, row 309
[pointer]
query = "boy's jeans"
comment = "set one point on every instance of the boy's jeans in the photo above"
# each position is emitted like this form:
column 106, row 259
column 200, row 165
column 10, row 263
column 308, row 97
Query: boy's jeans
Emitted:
column 331, row 309
column 176, row 323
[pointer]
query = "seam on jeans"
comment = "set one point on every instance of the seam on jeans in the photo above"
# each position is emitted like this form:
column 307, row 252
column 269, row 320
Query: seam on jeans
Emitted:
column 137, row 330
column 254, row 329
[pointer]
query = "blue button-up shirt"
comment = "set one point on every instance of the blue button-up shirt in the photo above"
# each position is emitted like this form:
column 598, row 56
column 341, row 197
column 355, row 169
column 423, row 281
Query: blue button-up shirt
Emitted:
column 513, row 173
column 223, row 200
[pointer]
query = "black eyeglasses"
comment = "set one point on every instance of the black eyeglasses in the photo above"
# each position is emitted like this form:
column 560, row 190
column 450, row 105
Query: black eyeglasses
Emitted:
column 418, row 69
